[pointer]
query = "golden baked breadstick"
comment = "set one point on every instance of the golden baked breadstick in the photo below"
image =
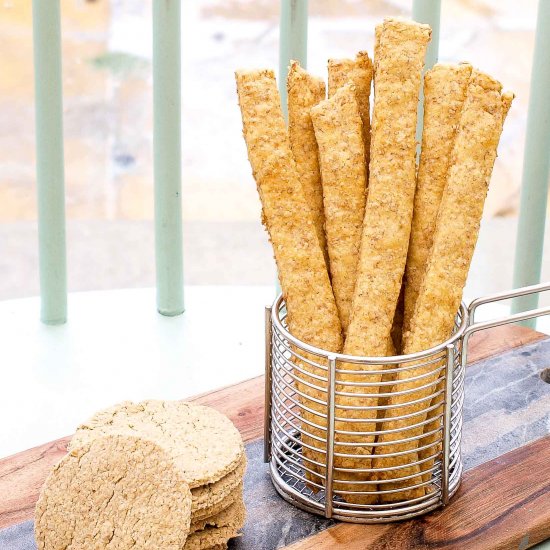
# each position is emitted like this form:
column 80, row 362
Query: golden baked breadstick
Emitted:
column 338, row 130
column 305, row 91
column 397, row 324
column 358, row 71
column 388, row 212
column 439, row 298
column 387, row 219
column 507, row 98
column 377, row 35
column 444, row 93
column 339, row 74
column 312, row 312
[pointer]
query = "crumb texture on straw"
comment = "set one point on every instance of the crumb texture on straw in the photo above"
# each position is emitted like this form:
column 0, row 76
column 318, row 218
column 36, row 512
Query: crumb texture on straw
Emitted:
column 338, row 129
column 388, row 213
column 444, row 94
column 304, row 92
column 359, row 72
column 440, row 293
column 386, row 224
column 303, row 275
column 311, row 307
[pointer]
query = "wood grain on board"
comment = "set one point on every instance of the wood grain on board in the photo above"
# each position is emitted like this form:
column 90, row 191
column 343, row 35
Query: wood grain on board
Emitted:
column 497, row 504
column 497, row 340
column 22, row 475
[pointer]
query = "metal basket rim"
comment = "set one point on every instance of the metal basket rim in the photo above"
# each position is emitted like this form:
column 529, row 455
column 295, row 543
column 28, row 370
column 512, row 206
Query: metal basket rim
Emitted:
column 457, row 335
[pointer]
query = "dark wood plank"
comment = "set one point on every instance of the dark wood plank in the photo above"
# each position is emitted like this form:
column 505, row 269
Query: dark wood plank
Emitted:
column 500, row 339
column 243, row 403
column 498, row 503
column 22, row 475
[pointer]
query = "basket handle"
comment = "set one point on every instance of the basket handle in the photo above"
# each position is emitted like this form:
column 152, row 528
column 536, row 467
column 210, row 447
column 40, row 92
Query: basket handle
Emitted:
column 498, row 297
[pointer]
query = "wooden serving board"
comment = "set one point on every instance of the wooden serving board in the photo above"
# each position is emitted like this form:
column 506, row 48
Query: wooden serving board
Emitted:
column 503, row 503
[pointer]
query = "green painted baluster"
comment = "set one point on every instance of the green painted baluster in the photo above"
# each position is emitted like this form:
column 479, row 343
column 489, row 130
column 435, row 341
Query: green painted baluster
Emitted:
column 167, row 155
column 534, row 185
column 292, row 41
column 427, row 11
column 49, row 161
column 292, row 46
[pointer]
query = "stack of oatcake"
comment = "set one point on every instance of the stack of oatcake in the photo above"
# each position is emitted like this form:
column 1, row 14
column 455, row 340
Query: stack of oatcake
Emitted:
column 143, row 474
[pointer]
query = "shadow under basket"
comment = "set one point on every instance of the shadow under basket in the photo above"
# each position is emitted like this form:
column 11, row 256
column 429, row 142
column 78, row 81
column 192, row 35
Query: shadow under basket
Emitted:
column 368, row 439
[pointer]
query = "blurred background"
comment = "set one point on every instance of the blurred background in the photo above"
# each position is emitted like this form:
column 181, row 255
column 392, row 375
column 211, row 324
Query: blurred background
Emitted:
column 108, row 133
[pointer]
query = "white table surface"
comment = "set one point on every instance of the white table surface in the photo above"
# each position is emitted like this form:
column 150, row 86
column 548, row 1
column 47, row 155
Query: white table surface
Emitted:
column 116, row 347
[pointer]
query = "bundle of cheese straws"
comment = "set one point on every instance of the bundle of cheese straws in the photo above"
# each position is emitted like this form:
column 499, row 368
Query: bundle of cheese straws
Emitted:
column 372, row 250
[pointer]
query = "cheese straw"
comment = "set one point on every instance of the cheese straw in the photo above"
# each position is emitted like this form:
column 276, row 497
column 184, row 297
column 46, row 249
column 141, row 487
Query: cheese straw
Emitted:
column 386, row 225
column 444, row 93
column 507, row 98
column 338, row 130
column 359, row 72
column 377, row 35
column 439, row 297
column 394, row 343
column 312, row 313
column 305, row 91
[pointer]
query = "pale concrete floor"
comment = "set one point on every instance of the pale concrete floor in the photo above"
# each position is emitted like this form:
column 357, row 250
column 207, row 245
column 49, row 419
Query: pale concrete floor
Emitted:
column 105, row 255
column 120, row 254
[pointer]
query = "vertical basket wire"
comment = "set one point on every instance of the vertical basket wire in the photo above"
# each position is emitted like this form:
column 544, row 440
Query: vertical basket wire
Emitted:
column 316, row 400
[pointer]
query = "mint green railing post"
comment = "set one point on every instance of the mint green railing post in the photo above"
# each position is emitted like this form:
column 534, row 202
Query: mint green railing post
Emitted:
column 292, row 46
column 50, row 180
column 534, row 183
column 292, row 41
column 427, row 11
column 167, row 155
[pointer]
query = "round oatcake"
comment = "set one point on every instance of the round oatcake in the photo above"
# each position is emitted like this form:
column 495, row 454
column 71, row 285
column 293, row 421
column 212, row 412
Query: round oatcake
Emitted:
column 217, row 530
column 117, row 492
column 211, row 499
column 233, row 515
column 203, row 442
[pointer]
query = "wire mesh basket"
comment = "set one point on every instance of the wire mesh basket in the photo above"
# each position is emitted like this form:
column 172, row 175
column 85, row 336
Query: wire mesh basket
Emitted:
column 368, row 439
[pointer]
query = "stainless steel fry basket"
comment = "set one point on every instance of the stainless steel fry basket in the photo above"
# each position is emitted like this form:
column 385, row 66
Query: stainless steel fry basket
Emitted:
column 330, row 448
